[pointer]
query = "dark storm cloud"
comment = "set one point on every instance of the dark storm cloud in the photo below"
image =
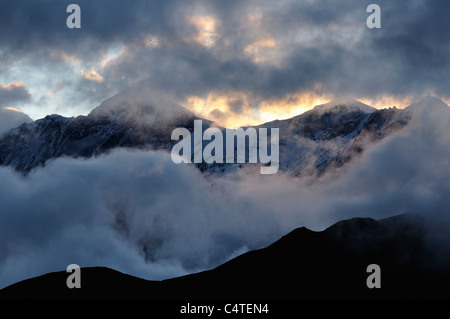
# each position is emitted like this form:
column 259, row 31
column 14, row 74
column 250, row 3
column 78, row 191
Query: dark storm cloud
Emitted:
column 31, row 25
column 415, row 44
column 408, row 55
column 318, row 42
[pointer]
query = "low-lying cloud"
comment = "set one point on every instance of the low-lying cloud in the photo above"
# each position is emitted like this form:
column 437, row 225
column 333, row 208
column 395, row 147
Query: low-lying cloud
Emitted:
column 141, row 214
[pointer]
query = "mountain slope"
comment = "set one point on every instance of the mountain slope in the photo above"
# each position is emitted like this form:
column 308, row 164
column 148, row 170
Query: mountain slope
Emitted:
column 303, row 264
column 113, row 124
column 331, row 135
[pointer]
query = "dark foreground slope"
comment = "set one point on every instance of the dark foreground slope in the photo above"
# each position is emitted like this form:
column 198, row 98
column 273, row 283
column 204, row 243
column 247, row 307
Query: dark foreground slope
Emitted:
column 303, row 264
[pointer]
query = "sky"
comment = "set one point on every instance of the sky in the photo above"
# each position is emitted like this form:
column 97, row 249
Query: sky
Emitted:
column 234, row 62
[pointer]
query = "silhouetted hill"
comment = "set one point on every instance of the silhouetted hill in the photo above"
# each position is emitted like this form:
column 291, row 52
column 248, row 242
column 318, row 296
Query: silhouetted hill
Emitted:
column 302, row 264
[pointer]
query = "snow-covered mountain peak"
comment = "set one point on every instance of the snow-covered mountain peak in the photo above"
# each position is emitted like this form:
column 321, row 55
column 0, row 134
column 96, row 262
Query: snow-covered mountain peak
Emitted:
column 10, row 118
column 344, row 105
column 140, row 107
column 428, row 103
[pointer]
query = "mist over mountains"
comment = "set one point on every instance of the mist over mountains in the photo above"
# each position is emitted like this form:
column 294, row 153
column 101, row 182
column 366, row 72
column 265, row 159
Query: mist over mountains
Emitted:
column 312, row 143
column 102, row 189
column 10, row 118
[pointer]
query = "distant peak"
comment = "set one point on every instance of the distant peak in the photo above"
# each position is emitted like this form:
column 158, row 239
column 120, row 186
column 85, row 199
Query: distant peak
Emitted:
column 344, row 100
column 141, row 105
column 346, row 103
column 428, row 102
column 431, row 99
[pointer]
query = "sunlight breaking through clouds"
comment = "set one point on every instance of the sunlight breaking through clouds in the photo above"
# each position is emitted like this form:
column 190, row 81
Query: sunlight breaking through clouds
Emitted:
column 92, row 75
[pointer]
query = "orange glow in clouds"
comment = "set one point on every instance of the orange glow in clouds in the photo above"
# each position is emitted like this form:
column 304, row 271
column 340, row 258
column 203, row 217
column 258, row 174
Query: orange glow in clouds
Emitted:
column 12, row 109
column 290, row 105
column 389, row 101
column 206, row 29
column 236, row 109
column 258, row 50
column 219, row 108
column 11, row 86
column 92, row 75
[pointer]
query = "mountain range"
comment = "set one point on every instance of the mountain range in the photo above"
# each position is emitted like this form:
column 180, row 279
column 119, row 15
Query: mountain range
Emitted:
column 317, row 141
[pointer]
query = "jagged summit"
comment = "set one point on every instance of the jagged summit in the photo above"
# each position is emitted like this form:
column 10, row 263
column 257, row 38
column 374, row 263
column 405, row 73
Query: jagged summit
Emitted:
column 338, row 118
